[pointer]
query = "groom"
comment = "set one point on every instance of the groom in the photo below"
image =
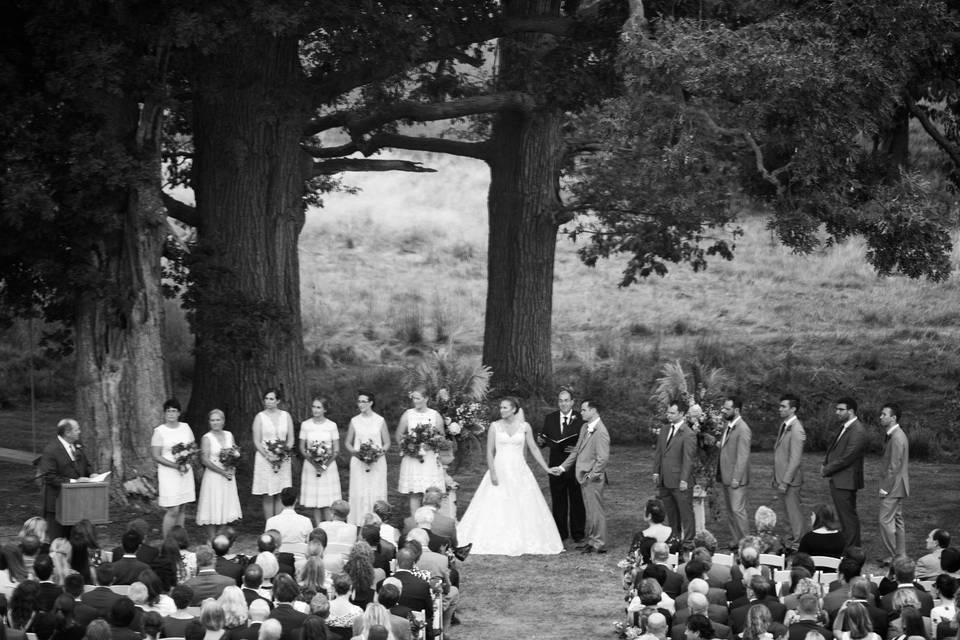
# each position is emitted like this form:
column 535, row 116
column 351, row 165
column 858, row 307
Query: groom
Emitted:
column 589, row 460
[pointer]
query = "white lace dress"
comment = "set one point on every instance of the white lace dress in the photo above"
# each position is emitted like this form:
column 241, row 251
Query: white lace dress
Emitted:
column 265, row 479
column 319, row 491
column 415, row 475
column 219, row 502
column 175, row 488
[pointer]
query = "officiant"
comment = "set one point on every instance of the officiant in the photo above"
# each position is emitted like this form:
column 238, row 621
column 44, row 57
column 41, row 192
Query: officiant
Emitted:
column 561, row 430
column 61, row 461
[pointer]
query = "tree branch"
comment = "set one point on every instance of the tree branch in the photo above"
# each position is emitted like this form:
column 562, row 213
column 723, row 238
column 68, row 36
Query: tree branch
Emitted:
column 421, row 112
column 321, row 152
column 770, row 176
column 932, row 131
column 330, row 167
column 478, row 150
column 181, row 211
column 576, row 147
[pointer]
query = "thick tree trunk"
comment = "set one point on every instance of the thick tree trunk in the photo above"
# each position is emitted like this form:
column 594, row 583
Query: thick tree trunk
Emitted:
column 121, row 381
column 249, row 180
column 523, row 216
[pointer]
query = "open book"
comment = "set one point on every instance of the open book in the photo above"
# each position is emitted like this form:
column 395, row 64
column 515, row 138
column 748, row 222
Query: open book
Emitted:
column 97, row 477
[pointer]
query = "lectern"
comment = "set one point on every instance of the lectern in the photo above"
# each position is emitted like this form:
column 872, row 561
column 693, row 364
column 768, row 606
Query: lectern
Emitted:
column 83, row 501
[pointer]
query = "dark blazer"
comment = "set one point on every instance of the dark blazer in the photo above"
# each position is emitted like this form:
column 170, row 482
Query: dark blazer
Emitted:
column 101, row 599
column 714, row 597
column 55, row 468
column 926, row 600
column 208, row 585
column 800, row 629
column 124, row 633
column 84, row 614
column 290, row 619
column 715, row 613
column 230, row 569
column 415, row 594
column 128, row 570
column 558, row 439
column 673, row 585
column 244, row 633
column 738, row 616
column 145, row 553
column 721, row 631
column 844, row 461
column 252, row 594
column 48, row 594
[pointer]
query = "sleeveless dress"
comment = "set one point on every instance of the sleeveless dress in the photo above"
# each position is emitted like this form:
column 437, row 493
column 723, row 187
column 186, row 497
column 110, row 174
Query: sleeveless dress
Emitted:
column 511, row 518
column 175, row 488
column 368, row 483
column 319, row 492
column 219, row 502
column 416, row 476
column 265, row 479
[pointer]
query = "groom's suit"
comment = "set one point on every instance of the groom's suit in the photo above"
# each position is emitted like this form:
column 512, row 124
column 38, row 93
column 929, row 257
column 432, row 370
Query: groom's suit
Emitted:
column 565, row 494
column 590, row 459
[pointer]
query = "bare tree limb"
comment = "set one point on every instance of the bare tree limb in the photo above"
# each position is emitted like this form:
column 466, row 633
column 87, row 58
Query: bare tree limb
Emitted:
column 770, row 176
column 478, row 150
column 321, row 152
column 181, row 211
column 932, row 131
column 330, row 167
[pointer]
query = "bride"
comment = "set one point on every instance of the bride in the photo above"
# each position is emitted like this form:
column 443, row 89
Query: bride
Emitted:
column 508, row 515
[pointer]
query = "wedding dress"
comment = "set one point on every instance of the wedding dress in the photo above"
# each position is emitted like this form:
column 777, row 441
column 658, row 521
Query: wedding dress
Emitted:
column 510, row 518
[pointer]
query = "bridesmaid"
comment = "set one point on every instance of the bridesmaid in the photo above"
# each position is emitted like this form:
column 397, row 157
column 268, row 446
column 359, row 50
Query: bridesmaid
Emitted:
column 368, row 482
column 176, row 485
column 417, row 475
column 219, row 502
column 319, row 487
column 271, row 424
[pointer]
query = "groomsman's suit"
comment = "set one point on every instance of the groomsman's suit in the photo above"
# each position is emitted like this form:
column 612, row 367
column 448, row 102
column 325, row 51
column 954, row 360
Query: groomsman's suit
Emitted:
column 60, row 462
column 895, row 486
column 560, row 434
column 734, row 465
column 844, row 466
column 673, row 462
column 787, row 471
column 589, row 461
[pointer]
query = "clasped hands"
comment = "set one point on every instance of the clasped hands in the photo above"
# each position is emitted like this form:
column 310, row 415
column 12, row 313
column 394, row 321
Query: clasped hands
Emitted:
column 656, row 482
column 555, row 471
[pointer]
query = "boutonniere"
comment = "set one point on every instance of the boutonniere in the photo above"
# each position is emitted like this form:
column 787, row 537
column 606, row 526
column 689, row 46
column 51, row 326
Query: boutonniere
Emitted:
column 591, row 430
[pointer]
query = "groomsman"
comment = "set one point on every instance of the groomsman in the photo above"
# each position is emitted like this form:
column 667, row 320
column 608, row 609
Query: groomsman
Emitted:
column 844, row 466
column 673, row 471
column 894, row 484
column 560, row 433
column 787, row 472
column 733, row 468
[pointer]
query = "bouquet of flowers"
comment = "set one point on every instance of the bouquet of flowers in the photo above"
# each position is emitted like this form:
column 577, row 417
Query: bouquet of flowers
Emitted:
column 417, row 438
column 230, row 457
column 184, row 454
column 321, row 454
column 472, row 420
column 279, row 451
column 416, row 625
column 368, row 453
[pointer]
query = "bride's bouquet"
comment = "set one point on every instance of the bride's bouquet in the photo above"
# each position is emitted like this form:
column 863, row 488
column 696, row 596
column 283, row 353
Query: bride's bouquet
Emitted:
column 279, row 452
column 230, row 457
column 321, row 454
column 368, row 453
column 184, row 454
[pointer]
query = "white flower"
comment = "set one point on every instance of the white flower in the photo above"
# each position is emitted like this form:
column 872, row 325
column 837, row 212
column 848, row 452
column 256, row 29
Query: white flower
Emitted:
column 443, row 395
column 454, row 428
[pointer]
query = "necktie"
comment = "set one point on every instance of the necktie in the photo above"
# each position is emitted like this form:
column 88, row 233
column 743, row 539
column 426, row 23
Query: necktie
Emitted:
column 783, row 428
column 670, row 436
column 566, row 421
column 726, row 433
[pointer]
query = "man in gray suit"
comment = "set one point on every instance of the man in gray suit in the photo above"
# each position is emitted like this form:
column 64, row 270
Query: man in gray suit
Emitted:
column 673, row 463
column 589, row 460
column 894, row 484
column 787, row 473
column 843, row 465
column 733, row 468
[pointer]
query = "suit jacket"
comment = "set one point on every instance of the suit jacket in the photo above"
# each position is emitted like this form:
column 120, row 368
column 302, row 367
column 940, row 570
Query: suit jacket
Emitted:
column 844, row 461
column 443, row 527
column 400, row 627
column 787, row 454
column 674, row 461
column 101, row 599
column 591, row 453
column 208, row 584
column 673, row 585
column 128, row 570
column 290, row 619
column 734, row 462
column 926, row 600
column 714, row 597
column 48, row 594
column 738, row 616
column 124, row 633
column 252, row 594
column 557, row 438
column 83, row 613
column 244, row 633
column 716, row 613
column 56, row 468
column 928, row 566
column 145, row 553
column 800, row 629
column 720, row 630
column 415, row 594
column 894, row 466
column 230, row 569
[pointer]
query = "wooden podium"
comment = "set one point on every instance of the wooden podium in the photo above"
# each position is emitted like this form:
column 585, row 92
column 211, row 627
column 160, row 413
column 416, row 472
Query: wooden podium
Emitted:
column 83, row 501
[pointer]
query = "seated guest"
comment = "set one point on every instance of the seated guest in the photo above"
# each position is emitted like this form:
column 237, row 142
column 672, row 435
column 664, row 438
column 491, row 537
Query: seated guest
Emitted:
column 756, row 623
column 659, row 574
column 320, row 606
column 808, row 619
column 83, row 613
column 207, row 583
column 122, row 617
column 187, row 567
column 646, row 601
column 128, row 567
column 101, row 598
column 760, row 590
column 312, row 576
column 359, row 566
column 906, row 601
column 98, row 629
column 212, row 619
column 257, row 614
column 221, row 548
column 388, row 597
column 443, row 525
column 717, row 575
column 655, row 531
column 66, row 626
column 285, row 592
column 157, row 600
column 145, row 553
column 342, row 611
column 388, row 532
column 235, row 610
column 950, row 562
column 695, row 574
column 788, row 589
column 673, row 582
column 765, row 520
column 697, row 627
column 314, row 628
column 700, row 606
column 415, row 591
column 270, row 569
column 23, row 606
column 928, row 566
column 946, row 587
column 806, row 586
column 825, row 537
column 175, row 624
column 834, row 599
column 860, row 591
column 655, row 627
column 438, row 566
column 43, row 569
column 294, row 528
column 252, row 580
column 377, row 614
column 60, row 552
column 169, row 565
column 152, row 625
column 903, row 571
column 340, row 534
column 853, row 623
column 382, row 553
column 747, row 566
column 270, row 630
column 85, row 550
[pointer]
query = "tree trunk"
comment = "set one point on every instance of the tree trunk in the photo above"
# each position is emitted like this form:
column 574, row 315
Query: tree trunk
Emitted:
column 249, row 180
column 121, row 379
column 523, row 206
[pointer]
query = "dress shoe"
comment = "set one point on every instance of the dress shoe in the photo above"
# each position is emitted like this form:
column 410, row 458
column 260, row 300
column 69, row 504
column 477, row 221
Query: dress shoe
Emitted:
column 588, row 549
column 602, row 550
column 454, row 620
column 581, row 547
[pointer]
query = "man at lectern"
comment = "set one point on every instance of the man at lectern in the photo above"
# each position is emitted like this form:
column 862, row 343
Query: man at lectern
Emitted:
column 61, row 461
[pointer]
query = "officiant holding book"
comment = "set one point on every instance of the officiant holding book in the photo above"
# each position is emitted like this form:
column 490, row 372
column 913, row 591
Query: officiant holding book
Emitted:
column 62, row 460
column 561, row 430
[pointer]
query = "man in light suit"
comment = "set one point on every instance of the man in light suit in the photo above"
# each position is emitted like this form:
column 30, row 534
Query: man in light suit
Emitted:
column 894, row 484
column 61, row 461
column 589, row 460
column 560, row 433
column 843, row 465
column 733, row 468
column 673, row 463
column 787, row 473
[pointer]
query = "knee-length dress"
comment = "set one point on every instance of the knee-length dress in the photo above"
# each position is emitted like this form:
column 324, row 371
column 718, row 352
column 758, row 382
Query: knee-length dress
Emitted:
column 319, row 491
column 175, row 488
column 265, row 479
column 416, row 476
column 368, row 482
column 219, row 502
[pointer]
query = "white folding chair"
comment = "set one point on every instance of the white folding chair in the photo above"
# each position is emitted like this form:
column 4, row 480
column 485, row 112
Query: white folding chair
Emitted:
column 724, row 559
column 121, row 589
column 826, row 561
column 772, row 560
column 673, row 560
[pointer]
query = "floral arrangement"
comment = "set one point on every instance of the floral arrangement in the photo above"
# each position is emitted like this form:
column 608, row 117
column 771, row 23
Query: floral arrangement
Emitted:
column 419, row 437
column 184, row 455
column 471, row 419
column 628, row 631
column 279, row 452
column 368, row 453
column 416, row 625
column 230, row 457
column 321, row 454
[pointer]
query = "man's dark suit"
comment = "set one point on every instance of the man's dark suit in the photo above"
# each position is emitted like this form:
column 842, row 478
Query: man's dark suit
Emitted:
column 715, row 611
column 844, row 466
column 738, row 616
column 48, row 595
column 565, row 494
column 101, row 599
column 84, row 614
column 800, row 629
column 720, row 631
column 415, row 594
column 230, row 569
column 127, row 570
column 252, row 594
column 124, row 633
column 244, row 633
column 208, row 584
column 56, row 468
column 145, row 553
column 673, row 463
column 290, row 620
column 673, row 585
